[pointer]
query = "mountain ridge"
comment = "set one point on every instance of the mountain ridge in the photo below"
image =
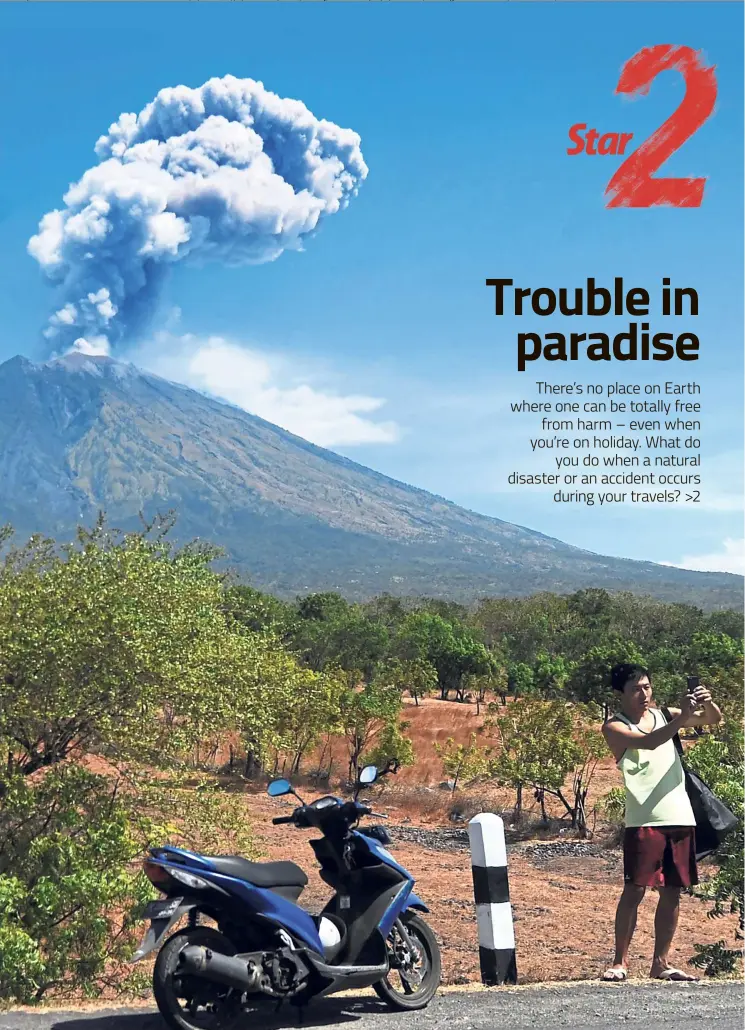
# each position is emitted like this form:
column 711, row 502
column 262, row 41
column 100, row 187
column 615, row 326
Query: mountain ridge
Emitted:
column 84, row 433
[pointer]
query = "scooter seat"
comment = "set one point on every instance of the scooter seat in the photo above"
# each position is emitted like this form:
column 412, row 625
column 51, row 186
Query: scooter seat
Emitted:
column 260, row 874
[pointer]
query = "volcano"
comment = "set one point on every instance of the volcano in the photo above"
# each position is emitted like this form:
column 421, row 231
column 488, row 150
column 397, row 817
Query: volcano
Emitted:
column 81, row 434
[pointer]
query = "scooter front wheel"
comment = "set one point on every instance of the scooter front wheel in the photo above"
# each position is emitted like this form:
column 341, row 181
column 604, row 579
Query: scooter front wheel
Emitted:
column 415, row 972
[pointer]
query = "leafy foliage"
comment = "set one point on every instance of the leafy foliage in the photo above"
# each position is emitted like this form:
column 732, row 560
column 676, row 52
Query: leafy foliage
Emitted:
column 391, row 745
column 540, row 743
column 452, row 648
column 718, row 760
column 463, row 762
column 101, row 640
column 614, row 804
column 369, row 716
column 66, row 844
column 717, row 959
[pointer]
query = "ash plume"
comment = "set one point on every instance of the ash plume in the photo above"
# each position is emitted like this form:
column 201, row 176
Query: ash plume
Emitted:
column 228, row 172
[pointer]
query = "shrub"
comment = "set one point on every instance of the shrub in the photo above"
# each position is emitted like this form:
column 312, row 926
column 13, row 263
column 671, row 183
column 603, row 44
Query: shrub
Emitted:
column 613, row 805
column 67, row 844
column 718, row 760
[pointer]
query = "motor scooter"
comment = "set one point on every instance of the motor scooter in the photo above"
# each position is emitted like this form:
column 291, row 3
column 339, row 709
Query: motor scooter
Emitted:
column 264, row 945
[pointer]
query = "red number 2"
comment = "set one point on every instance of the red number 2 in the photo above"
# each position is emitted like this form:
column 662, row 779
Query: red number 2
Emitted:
column 633, row 185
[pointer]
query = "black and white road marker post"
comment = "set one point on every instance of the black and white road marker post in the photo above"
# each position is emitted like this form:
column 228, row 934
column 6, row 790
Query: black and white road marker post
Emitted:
column 492, row 894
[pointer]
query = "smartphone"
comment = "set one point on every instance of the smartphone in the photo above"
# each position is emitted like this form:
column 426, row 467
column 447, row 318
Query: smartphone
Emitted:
column 693, row 682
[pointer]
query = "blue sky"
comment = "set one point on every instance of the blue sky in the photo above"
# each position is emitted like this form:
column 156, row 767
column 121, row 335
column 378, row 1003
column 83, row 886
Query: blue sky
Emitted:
column 379, row 340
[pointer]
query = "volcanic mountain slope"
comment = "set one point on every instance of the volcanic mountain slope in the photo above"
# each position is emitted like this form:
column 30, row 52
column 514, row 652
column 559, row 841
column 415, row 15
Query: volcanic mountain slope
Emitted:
column 79, row 434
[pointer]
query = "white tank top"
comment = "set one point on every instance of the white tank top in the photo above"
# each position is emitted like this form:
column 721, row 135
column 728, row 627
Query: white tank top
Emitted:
column 655, row 782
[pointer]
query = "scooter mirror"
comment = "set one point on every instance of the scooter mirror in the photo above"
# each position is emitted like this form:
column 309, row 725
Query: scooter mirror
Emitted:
column 369, row 774
column 279, row 787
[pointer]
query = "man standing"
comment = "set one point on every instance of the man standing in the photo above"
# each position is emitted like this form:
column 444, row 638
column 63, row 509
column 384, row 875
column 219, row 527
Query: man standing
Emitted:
column 659, row 847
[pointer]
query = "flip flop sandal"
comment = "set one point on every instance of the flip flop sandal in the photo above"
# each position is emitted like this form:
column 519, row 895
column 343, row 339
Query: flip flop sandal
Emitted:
column 614, row 975
column 676, row 976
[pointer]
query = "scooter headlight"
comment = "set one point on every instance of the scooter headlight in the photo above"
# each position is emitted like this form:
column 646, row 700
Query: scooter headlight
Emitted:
column 195, row 882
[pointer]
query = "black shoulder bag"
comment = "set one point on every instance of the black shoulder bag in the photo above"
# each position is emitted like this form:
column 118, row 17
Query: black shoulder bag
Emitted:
column 713, row 819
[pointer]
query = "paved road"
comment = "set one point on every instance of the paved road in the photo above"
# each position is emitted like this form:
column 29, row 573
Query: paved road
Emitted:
column 645, row 1007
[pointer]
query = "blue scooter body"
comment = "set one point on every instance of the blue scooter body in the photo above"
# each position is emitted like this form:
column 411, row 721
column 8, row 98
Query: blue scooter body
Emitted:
column 255, row 902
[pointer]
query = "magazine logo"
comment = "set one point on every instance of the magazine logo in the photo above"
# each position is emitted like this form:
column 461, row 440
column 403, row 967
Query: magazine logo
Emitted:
column 634, row 183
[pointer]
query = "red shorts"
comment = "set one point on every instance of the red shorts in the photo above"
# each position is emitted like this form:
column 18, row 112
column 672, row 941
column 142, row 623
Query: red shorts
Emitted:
column 660, row 856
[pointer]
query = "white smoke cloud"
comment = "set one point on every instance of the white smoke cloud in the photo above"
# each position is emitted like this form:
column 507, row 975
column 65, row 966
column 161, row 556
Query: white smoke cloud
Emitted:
column 266, row 385
column 731, row 558
column 228, row 172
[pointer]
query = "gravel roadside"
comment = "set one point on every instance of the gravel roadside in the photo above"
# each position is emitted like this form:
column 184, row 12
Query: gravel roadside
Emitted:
column 457, row 840
column 648, row 1006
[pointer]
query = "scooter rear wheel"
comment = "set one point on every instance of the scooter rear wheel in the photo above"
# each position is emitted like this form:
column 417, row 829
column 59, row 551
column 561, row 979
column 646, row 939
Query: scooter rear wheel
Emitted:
column 187, row 1002
column 419, row 977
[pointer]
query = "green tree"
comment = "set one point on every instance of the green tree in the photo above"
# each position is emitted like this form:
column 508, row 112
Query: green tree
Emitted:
column 71, row 896
column 453, row 650
column 590, row 678
column 520, row 681
column 537, row 747
column 494, row 682
column 117, row 645
column 310, row 707
column 466, row 762
column 323, row 607
column 66, row 844
column 551, row 674
column 417, row 677
column 365, row 713
column 332, row 633
column 709, row 651
column 525, row 626
column 590, row 749
column 594, row 608
column 258, row 611
column 391, row 745
column 728, row 622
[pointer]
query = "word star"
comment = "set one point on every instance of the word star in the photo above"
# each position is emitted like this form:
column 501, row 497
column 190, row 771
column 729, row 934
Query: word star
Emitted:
column 609, row 142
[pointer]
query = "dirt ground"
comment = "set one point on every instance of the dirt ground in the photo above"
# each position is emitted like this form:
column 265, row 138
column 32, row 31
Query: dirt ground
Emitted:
column 563, row 904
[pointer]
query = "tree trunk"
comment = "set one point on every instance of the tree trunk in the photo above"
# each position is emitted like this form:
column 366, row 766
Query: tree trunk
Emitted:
column 518, row 804
column 322, row 756
column 542, row 799
column 354, row 759
column 566, row 804
column 580, row 814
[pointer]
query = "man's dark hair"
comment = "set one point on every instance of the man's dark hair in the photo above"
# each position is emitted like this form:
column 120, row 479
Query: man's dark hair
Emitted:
column 625, row 673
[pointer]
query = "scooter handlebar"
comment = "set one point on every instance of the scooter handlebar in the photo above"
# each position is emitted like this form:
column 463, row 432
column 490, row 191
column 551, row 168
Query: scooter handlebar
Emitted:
column 352, row 809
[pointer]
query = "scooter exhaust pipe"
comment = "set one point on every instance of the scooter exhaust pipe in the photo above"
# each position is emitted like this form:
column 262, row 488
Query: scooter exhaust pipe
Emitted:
column 240, row 973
